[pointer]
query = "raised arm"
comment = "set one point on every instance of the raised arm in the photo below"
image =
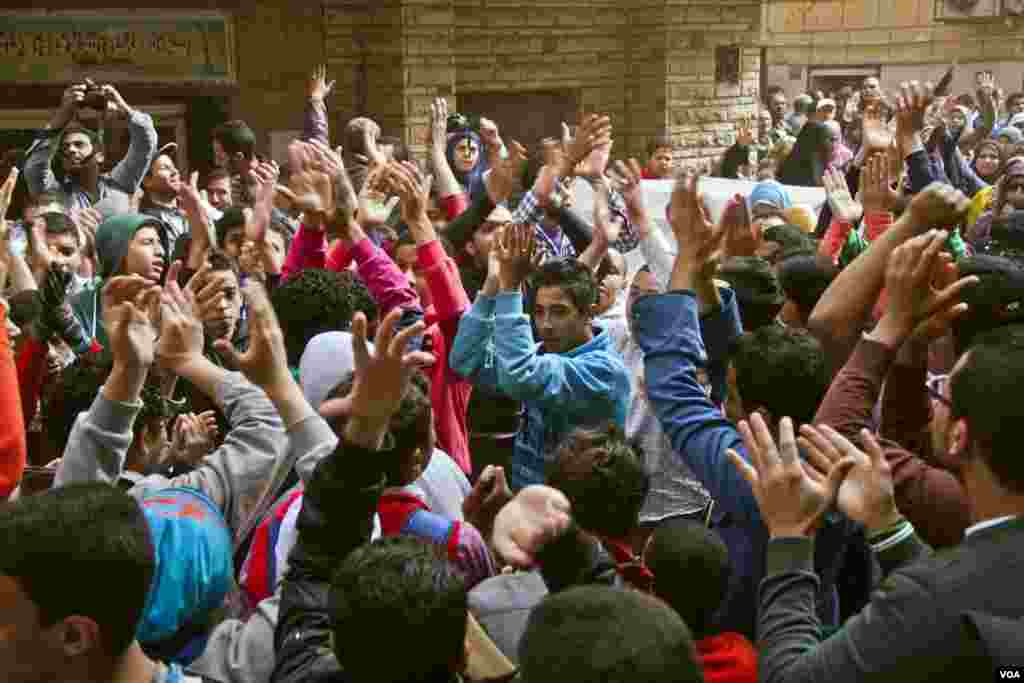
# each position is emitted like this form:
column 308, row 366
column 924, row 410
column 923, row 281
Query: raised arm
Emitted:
column 338, row 506
column 142, row 142
column 314, row 122
column 13, row 449
column 449, row 193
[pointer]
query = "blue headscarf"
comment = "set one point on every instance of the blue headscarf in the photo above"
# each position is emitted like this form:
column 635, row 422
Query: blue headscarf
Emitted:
column 474, row 179
column 194, row 570
column 770, row 192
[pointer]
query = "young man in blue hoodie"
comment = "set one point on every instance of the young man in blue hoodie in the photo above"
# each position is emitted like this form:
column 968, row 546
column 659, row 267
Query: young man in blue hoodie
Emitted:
column 573, row 378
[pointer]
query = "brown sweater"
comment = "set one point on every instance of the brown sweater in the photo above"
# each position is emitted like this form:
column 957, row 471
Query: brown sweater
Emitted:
column 931, row 498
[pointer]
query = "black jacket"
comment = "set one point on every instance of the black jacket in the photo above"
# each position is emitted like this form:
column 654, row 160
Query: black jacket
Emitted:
column 336, row 518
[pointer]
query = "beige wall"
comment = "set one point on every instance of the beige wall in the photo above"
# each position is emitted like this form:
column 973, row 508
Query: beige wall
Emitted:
column 900, row 36
column 647, row 63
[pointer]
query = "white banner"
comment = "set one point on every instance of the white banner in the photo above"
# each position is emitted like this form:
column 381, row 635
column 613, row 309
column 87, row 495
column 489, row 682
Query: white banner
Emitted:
column 717, row 192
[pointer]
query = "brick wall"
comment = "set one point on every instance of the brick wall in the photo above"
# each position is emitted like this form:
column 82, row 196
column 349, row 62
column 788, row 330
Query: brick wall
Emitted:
column 647, row 63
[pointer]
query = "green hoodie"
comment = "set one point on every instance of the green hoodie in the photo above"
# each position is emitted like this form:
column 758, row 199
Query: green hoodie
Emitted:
column 112, row 240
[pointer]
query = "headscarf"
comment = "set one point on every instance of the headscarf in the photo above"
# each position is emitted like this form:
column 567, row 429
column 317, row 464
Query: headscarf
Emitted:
column 327, row 360
column 473, row 180
column 841, row 154
column 804, row 167
column 772, row 193
column 194, row 572
column 1012, row 132
column 736, row 156
column 993, row 145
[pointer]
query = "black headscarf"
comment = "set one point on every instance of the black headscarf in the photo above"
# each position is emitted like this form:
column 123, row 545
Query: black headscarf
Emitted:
column 805, row 165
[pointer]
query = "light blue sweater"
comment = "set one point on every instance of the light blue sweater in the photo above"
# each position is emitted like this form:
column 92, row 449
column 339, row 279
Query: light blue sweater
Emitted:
column 585, row 387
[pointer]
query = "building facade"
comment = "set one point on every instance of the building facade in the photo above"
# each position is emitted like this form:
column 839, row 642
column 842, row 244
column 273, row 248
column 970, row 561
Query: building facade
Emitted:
column 823, row 44
column 689, row 69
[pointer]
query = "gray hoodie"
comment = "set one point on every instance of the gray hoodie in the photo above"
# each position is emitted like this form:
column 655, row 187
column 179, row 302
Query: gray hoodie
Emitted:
column 234, row 477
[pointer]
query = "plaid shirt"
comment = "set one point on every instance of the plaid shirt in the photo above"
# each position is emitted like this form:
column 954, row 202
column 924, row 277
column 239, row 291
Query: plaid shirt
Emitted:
column 529, row 212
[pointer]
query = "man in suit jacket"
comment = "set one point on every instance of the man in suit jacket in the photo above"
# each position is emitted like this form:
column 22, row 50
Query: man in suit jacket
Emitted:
column 912, row 629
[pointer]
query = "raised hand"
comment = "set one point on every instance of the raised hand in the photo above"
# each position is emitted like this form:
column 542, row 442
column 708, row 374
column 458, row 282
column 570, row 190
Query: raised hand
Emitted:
column 745, row 131
column 593, row 132
column 699, row 240
column 936, row 206
column 439, row 123
column 194, row 436
column 181, row 333
column 505, row 173
column 844, row 206
column 518, row 255
column 531, row 520
column 7, row 191
column 382, row 373
column 129, row 315
column 413, row 190
column 866, row 494
column 318, row 88
column 911, row 109
column 491, row 137
column 311, row 183
column 374, row 204
column 792, row 502
column 265, row 362
column 876, row 190
column 875, row 136
column 490, row 493
column 912, row 296
column 115, row 102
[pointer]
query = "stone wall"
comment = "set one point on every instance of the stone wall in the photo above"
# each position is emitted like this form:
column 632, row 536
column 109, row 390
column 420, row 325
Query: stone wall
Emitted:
column 649, row 64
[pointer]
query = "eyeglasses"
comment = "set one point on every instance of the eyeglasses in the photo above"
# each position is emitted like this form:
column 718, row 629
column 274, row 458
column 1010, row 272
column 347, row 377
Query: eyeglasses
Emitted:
column 935, row 390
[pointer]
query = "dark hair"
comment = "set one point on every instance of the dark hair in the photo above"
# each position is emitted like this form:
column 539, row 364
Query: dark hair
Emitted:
column 98, row 531
column 59, row 224
column 279, row 224
column 218, row 174
column 409, row 427
column 758, row 293
column 658, row 143
column 235, row 136
column 603, row 478
column 572, row 277
column 736, row 156
column 773, row 90
column 219, row 260
column 233, row 217
column 406, row 589
column 682, row 554
column 76, row 389
column 997, row 299
column 792, row 241
column 316, row 301
column 986, row 392
column 781, row 369
column 804, row 279
column 598, row 634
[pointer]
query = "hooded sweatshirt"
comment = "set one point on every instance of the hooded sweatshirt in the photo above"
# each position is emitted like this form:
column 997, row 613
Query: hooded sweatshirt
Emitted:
column 112, row 240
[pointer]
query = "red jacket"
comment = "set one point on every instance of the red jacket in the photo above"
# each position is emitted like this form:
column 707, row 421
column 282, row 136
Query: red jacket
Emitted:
column 13, row 447
column 728, row 658
column 449, row 392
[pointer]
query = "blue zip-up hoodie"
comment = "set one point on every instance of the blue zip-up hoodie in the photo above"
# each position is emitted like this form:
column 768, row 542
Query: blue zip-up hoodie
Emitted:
column 667, row 328
column 585, row 387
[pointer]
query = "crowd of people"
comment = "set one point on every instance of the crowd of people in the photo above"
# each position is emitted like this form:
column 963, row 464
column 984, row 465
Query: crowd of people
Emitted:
column 355, row 417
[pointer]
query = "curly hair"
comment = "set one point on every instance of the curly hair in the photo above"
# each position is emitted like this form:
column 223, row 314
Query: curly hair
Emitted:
column 316, row 301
